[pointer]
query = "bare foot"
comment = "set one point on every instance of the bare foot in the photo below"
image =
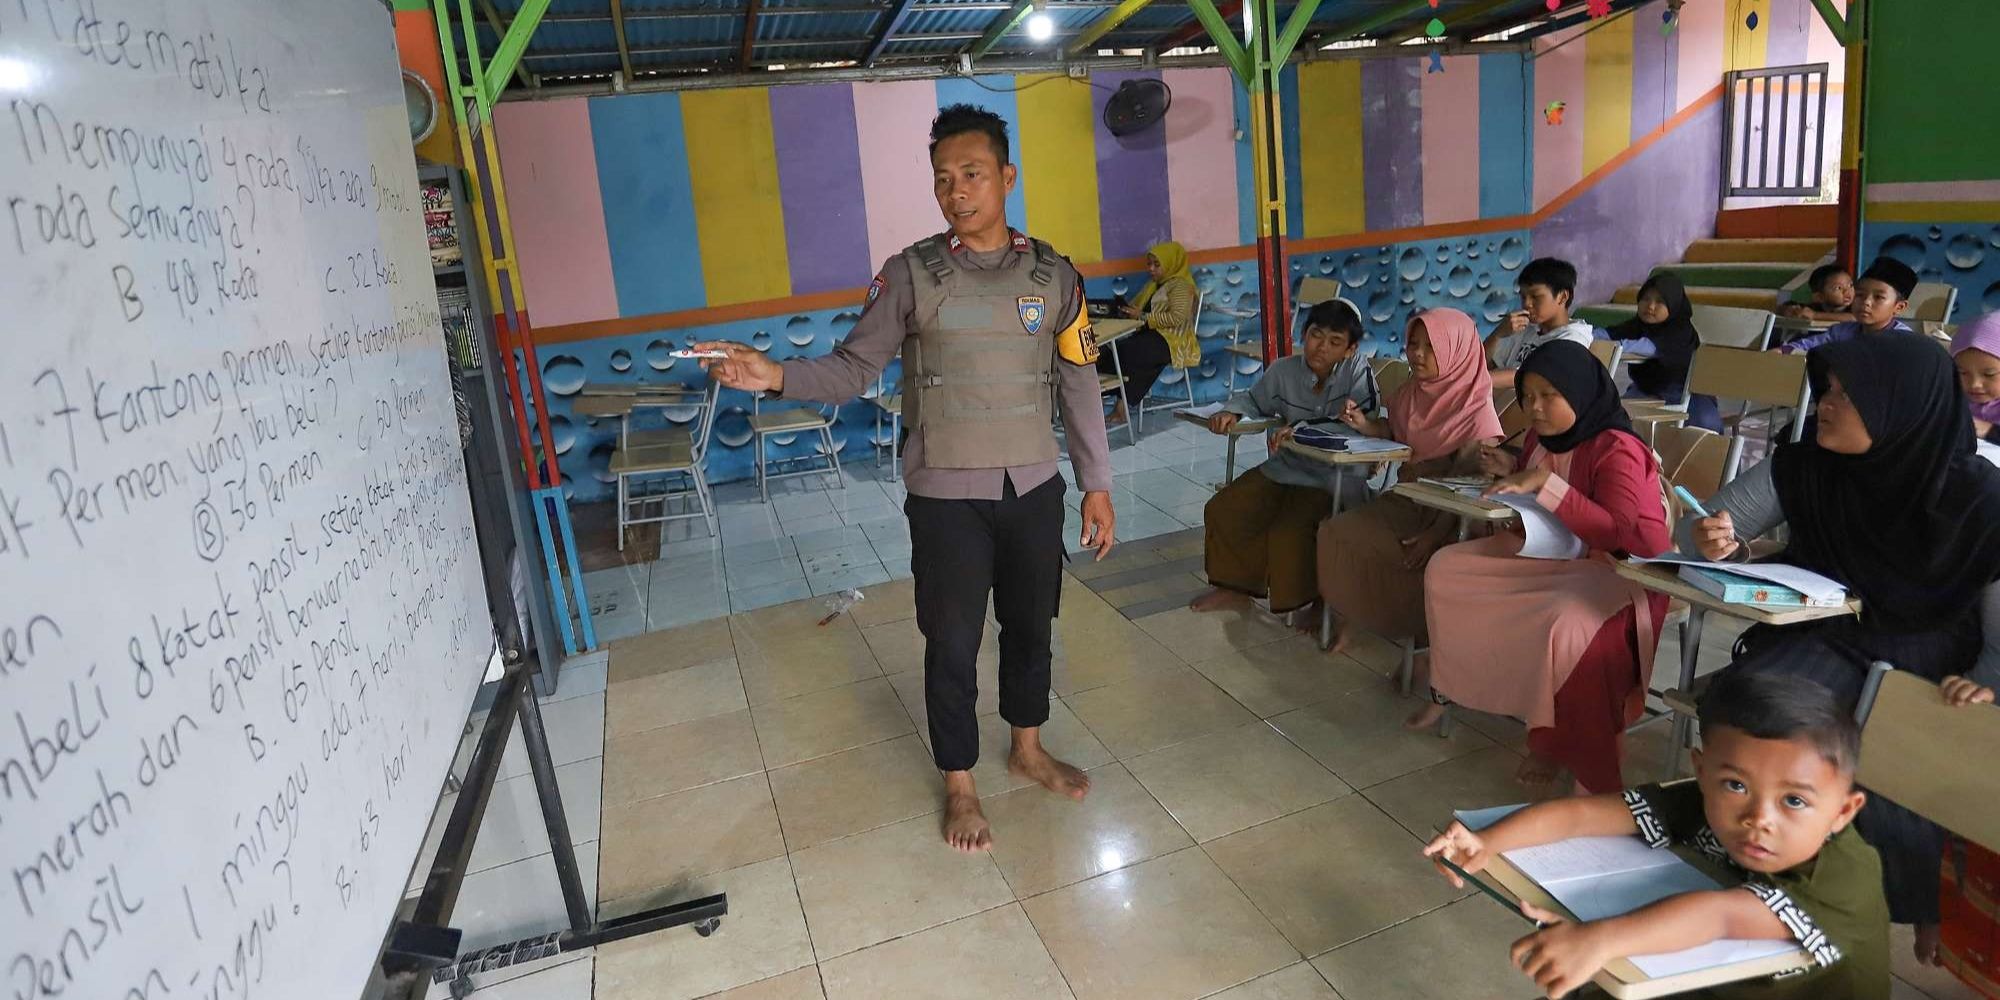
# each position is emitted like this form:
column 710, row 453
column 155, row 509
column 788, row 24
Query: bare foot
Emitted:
column 1035, row 764
column 964, row 825
column 1425, row 717
column 1343, row 637
column 1536, row 770
column 1214, row 599
column 1926, row 944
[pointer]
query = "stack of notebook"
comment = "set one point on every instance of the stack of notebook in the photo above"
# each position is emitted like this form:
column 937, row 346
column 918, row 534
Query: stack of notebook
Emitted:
column 1770, row 584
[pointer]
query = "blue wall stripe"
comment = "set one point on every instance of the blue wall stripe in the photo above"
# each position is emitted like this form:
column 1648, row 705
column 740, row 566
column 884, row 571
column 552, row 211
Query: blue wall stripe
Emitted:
column 1246, row 167
column 642, row 168
column 1295, row 206
column 1506, row 149
column 996, row 96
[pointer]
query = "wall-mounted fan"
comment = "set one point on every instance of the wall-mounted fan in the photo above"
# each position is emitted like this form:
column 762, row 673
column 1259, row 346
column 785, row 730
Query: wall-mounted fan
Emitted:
column 421, row 103
column 1136, row 106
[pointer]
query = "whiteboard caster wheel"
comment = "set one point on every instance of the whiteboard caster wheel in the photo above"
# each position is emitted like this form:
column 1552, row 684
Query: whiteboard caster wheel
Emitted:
column 707, row 927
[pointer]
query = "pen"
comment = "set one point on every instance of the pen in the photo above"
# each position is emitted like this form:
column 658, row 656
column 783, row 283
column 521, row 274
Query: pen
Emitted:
column 1692, row 503
column 1483, row 887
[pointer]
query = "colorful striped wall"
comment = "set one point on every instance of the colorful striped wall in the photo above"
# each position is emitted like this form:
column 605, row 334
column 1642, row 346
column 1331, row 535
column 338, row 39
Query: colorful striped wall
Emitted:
column 651, row 211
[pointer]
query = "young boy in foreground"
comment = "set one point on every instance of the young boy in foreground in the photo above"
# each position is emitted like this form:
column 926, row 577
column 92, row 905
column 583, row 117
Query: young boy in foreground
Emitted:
column 1774, row 799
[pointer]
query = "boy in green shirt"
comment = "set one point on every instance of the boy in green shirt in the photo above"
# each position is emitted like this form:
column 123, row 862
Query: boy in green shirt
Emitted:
column 1774, row 799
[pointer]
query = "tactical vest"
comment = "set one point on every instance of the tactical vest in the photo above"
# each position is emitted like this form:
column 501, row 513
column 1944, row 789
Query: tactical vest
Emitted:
column 979, row 372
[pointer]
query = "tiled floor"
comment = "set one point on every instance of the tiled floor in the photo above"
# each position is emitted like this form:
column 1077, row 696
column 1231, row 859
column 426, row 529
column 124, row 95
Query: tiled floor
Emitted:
column 1251, row 833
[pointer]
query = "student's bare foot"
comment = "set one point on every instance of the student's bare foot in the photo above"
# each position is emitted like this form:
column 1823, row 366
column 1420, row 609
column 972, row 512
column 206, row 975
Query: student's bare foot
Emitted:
column 1306, row 619
column 1926, row 944
column 1214, row 599
column 1343, row 637
column 965, row 826
column 1536, row 770
column 1424, row 718
column 1030, row 761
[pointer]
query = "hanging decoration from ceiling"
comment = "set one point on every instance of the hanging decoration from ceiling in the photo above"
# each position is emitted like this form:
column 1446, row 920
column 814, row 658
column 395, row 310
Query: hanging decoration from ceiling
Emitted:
column 1553, row 113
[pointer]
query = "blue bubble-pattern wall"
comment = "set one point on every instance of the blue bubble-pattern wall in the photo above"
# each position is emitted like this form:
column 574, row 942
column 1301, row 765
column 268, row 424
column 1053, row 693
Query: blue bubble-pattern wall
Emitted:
column 1388, row 282
column 1965, row 255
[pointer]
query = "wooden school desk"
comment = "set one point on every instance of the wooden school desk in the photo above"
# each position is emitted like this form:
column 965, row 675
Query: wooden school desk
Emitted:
column 1109, row 332
column 1241, row 428
column 1467, row 509
column 613, row 399
column 1339, row 458
column 1665, row 579
column 1621, row 978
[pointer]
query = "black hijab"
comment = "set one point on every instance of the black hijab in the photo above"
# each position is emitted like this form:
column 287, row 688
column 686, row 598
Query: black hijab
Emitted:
column 1582, row 380
column 1674, row 340
column 1912, row 526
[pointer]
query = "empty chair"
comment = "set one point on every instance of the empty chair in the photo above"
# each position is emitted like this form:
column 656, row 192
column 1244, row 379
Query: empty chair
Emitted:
column 799, row 419
column 1932, row 302
column 1390, row 374
column 659, row 470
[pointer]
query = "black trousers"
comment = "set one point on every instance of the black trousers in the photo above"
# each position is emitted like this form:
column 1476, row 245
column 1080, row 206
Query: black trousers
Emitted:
column 1144, row 354
column 960, row 550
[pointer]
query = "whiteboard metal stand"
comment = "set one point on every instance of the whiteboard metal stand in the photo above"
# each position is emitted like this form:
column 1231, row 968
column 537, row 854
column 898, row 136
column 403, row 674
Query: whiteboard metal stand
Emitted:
column 425, row 943
column 492, row 437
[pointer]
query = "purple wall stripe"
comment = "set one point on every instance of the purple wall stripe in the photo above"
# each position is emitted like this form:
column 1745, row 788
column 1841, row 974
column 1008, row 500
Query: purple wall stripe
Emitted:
column 1134, row 210
column 1652, row 66
column 819, row 184
column 1392, row 142
column 1791, row 22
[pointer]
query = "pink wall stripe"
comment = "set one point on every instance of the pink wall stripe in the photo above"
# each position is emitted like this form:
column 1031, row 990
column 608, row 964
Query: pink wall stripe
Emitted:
column 1704, row 39
column 1821, row 46
column 1559, row 76
column 550, row 165
column 893, row 121
column 1201, row 158
column 1451, row 132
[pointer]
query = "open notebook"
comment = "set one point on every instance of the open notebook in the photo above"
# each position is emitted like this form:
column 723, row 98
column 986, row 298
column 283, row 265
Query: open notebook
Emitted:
column 1598, row 877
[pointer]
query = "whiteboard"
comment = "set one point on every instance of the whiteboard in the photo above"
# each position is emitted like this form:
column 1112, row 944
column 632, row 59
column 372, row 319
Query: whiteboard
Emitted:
column 241, row 622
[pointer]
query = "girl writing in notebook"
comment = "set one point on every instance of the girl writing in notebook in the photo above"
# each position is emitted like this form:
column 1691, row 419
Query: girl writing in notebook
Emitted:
column 1563, row 645
column 1888, row 498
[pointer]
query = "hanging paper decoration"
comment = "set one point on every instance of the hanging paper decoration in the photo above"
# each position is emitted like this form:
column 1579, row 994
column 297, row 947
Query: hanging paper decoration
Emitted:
column 1751, row 21
column 1668, row 22
column 1598, row 8
column 1434, row 29
column 1554, row 5
column 1434, row 4
column 1437, row 62
column 1553, row 114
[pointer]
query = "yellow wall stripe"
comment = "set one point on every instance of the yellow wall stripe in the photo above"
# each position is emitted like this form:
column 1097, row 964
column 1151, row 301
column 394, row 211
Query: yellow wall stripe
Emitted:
column 1607, row 73
column 1747, row 45
column 1059, row 172
column 1330, row 148
column 733, row 166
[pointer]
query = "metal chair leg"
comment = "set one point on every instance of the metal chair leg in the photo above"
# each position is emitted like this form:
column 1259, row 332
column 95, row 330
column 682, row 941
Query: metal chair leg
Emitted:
column 832, row 456
column 763, row 478
column 1409, row 668
column 622, row 514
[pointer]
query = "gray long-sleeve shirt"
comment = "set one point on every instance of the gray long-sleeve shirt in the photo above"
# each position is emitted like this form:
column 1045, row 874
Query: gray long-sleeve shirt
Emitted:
column 890, row 316
column 1752, row 502
column 1290, row 393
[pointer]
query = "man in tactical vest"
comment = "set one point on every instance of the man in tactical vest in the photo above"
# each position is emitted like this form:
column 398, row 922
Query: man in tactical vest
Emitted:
column 993, row 331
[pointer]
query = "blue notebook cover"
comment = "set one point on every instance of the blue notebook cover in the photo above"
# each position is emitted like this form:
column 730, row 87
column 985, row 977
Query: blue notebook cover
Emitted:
column 1738, row 589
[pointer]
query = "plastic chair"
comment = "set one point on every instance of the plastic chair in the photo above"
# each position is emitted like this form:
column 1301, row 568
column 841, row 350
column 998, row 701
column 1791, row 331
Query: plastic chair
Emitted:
column 793, row 420
column 1932, row 301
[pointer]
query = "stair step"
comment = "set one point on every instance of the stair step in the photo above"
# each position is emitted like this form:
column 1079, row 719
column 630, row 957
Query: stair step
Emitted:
column 1724, row 251
column 1742, row 298
column 1606, row 316
column 1770, row 275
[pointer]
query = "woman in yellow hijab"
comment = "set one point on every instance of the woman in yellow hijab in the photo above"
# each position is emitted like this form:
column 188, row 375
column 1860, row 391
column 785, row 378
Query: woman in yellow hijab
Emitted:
column 1167, row 305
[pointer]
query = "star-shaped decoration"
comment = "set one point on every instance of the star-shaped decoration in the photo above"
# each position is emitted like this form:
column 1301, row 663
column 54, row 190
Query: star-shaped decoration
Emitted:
column 1437, row 62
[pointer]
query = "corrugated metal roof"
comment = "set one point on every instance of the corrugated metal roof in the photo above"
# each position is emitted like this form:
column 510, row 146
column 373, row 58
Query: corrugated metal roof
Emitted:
column 576, row 37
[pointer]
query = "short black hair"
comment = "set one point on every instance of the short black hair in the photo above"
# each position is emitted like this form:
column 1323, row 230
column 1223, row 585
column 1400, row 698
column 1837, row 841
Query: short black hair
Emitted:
column 1895, row 274
column 1823, row 274
column 1769, row 705
column 1558, row 274
column 1337, row 316
column 958, row 119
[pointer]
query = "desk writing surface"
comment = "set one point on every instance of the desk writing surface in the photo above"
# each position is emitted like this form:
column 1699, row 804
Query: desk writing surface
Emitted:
column 1666, row 580
column 1345, row 457
column 1240, row 428
column 1110, row 330
column 1924, row 755
column 1454, row 502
